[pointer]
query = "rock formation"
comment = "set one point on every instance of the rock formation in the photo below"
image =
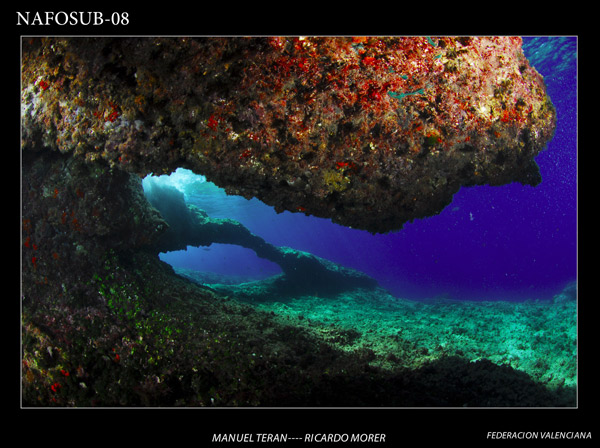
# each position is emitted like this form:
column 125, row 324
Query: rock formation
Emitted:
column 370, row 132
column 302, row 272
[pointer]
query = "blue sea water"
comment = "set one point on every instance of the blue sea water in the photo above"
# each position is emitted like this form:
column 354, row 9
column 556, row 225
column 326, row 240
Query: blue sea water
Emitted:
column 511, row 242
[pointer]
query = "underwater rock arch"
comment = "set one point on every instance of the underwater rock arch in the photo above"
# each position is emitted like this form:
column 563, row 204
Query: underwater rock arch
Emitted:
column 303, row 272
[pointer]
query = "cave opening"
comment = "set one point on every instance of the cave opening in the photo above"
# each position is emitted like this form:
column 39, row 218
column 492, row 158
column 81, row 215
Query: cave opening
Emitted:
column 242, row 246
column 221, row 263
column 215, row 262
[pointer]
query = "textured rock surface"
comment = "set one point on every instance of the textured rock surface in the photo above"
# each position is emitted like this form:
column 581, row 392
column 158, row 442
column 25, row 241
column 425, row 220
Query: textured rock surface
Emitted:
column 370, row 132
column 73, row 214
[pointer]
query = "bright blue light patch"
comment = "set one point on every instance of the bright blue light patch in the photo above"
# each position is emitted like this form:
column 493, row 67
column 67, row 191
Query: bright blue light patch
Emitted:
column 223, row 259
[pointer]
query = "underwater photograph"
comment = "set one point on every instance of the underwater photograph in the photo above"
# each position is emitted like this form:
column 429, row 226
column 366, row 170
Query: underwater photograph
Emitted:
column 299, row 222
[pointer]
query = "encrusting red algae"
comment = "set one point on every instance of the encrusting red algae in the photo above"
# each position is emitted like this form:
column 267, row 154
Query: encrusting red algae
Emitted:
column 371, row 132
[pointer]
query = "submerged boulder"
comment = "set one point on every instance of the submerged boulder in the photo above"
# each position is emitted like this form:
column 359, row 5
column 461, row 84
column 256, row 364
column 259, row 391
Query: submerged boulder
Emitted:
column 371, row 132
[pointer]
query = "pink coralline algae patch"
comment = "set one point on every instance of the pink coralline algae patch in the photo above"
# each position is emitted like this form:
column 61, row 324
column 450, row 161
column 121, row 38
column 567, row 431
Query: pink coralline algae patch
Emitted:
column 371, row 132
